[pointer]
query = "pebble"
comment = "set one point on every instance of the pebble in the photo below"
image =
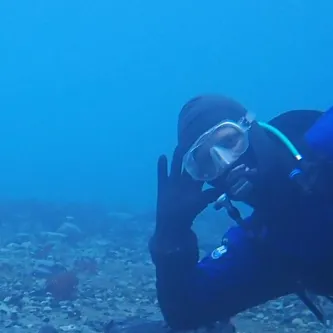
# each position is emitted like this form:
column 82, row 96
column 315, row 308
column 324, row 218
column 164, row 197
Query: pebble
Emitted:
column 47, row 309
column 260, row 316
column 70, row 328
column 48, row 329
column 298, row 322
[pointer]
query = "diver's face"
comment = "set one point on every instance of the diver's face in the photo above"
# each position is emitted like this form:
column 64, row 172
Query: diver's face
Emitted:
column 221, row 158
column 216, row 150
column 237, row 181
column 228, row 138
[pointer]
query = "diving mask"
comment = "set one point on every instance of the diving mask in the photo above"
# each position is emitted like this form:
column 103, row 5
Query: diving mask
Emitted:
column 217, row 149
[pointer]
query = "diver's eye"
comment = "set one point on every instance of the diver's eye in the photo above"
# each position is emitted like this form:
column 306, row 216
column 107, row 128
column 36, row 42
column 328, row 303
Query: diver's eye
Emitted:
column 228, row 137
column 230, row 141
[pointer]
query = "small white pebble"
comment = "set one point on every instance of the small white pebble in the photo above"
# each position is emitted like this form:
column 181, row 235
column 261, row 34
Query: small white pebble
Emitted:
column 47, row 309
column 69, row 328
column 298, row 322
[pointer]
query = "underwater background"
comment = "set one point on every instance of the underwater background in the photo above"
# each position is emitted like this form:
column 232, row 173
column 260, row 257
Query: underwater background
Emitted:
column 89, row 97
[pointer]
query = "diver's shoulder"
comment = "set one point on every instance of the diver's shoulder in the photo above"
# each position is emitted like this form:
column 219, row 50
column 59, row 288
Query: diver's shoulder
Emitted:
column 306, row 118
column 295, row 122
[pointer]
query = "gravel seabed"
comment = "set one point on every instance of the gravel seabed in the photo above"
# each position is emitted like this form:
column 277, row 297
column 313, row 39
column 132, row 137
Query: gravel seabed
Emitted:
column 118, row 287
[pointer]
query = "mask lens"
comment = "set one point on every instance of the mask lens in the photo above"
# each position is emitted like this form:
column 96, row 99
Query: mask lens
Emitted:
column 231, row 143
column 215, row 150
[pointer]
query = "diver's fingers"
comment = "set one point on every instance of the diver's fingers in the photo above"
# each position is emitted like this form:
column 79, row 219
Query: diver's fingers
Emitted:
column 210, row 195
column 251, row 174
column 239, row 171
column 242, row 171
column 239, row 168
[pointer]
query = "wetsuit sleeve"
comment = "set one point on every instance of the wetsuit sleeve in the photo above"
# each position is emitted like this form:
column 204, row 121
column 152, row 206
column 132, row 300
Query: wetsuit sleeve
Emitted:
column 232, row 279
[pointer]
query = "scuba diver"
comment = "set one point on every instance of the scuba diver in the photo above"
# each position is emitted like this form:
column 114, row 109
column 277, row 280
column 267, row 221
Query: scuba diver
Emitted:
column 282, row 169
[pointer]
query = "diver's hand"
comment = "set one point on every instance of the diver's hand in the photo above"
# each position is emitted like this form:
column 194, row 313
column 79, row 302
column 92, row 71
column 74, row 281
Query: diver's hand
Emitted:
column 179, row 198
column 240, row 182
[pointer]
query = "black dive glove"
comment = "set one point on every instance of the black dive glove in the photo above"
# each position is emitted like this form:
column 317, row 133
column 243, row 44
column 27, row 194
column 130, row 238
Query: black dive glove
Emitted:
column 179, row 200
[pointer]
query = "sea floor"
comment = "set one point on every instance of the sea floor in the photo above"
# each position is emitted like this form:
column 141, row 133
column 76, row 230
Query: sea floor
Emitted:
column 66, row 281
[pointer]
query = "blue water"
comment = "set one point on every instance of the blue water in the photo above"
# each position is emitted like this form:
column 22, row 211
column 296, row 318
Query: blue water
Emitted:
column 90, row 90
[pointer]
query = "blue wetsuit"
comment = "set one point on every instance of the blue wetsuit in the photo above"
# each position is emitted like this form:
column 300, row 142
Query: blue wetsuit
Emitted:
column 295, row 253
